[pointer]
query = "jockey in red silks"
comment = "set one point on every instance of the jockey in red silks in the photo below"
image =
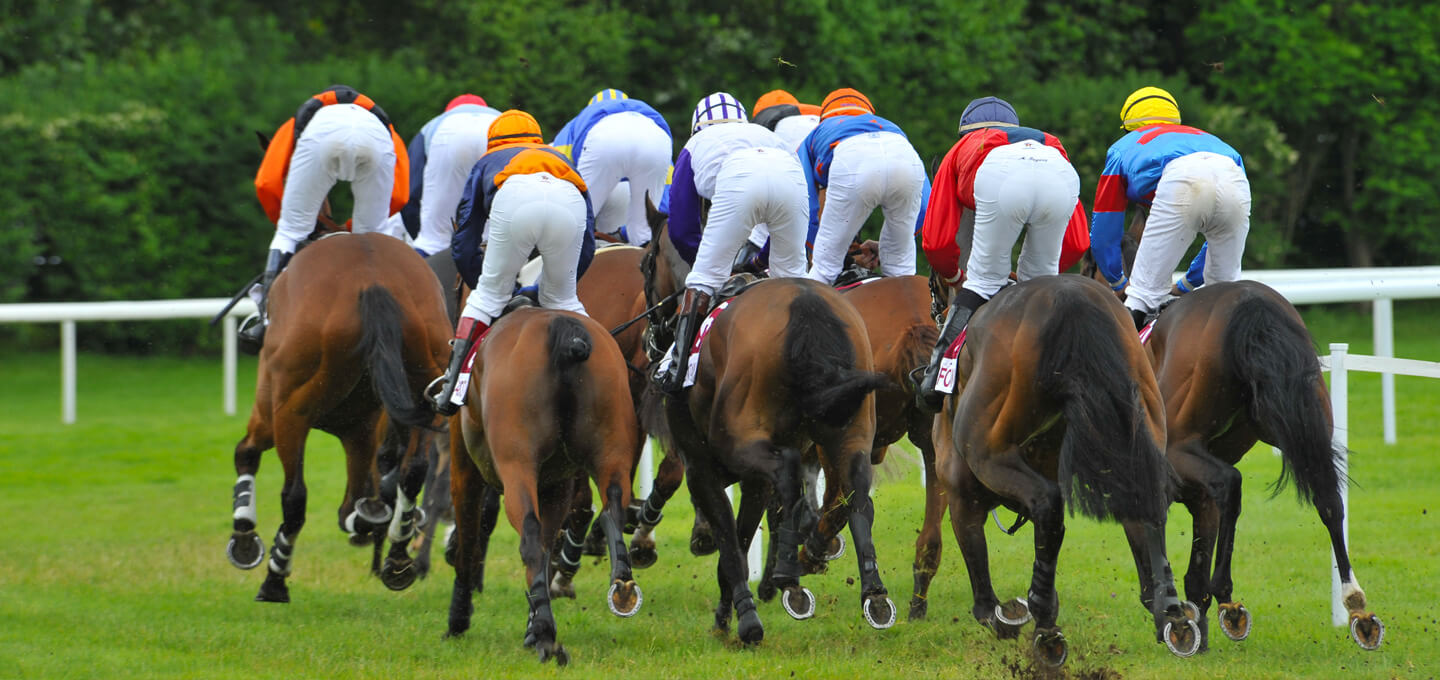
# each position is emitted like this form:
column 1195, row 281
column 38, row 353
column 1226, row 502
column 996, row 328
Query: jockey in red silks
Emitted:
column 997, row 180
column 337, row 135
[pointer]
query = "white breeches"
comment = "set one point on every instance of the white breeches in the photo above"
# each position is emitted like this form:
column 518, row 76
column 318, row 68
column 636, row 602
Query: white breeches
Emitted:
column 343, row 142
column 625, row 145
column 869, row 170
column 531, row 212
column 457, row 144
column 1025, row 185
column 754, row 186
column 1204, row 193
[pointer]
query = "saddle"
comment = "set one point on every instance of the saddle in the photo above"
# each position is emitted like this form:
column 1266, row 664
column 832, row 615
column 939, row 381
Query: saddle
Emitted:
column 852, row 275
column 734, row 286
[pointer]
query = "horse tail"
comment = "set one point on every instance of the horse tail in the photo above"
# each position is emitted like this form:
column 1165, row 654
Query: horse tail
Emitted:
column 382, row 342
column 1109, row 464
column 1271, row 354
column 822, row 374
column 569, row 345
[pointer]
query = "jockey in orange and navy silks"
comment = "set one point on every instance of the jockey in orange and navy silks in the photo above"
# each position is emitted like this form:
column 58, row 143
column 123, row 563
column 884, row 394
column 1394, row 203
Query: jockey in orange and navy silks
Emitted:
column 614, row 139
column 879, row 168
column 270, row 179
column 1160, row 163
column 454, row 140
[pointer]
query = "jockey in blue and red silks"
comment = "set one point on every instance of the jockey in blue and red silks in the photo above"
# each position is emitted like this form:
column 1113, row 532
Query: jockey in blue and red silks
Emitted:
column 1193, row 182
column 613, row 139
column 337, row 135
column 997, row 180
column 522, row 195
column 749, row 175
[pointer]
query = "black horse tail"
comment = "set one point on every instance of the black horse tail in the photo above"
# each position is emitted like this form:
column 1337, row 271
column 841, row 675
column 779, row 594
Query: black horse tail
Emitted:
column 569, row 346
column 821, row 363
column 382, row 341
column 1109, row 464
column 1272, row 356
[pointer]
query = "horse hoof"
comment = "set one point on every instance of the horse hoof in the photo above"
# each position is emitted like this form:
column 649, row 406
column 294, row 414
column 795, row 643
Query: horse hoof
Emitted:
column 562, row 586
column 702, row 544
column 1192, row 611
column 643, row 557
column 798, row 602
column 1367, row 631
column 366, row 510
column 809, row 564
column 245, row 550
column 766, row 590
column 837, row 548
column 273, row 591
column 361, row 540
column 1014, row 613
column 1050, row 647
column 1002, row 631
column 1235, row 620
column 624, row 598
column 881, row 619
column 919, row 608
column 750, row 631
column 1182, row 639
column 552, row 650
column 398, row 574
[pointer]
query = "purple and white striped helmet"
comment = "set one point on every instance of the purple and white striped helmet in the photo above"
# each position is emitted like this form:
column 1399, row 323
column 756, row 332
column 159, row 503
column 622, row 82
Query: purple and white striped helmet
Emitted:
column 720, row 107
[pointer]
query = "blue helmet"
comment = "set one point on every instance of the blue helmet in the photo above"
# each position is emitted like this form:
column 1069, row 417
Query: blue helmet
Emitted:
column 608, row 94
column 720, row 107
column 988, row 112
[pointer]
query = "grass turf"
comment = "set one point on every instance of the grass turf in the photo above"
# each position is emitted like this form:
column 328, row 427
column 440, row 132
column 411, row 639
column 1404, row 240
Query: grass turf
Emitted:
column 114, row 565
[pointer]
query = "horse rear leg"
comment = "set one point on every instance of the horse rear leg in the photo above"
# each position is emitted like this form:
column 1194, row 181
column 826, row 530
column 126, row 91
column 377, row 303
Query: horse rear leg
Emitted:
column 612, row 476
column 667, row 482
column 245, row 549
column 471, row 496
column 290, row 433
column 399, row 571
column 1366, row 628
column 928, row 543
column 730, row 570
column 1010, row 477
column 875, row 603
column 565, row 555
column 437, row 507
column 824, row 542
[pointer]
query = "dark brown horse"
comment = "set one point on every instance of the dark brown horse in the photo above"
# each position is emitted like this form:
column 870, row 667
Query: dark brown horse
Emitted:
column 357, row 329
column 1236, row 365
column 549, row 401
column 787, row 364
column 1056, row 406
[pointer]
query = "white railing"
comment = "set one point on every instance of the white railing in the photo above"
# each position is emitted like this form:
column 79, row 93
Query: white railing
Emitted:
column 1340, row 362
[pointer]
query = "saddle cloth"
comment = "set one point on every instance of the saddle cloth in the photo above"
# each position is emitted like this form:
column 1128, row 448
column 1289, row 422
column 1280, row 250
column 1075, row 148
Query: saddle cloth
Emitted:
column 945, row 383
column 692, row 359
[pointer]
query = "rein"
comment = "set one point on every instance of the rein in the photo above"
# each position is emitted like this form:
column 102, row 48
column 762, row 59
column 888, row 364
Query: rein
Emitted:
column 621, row 328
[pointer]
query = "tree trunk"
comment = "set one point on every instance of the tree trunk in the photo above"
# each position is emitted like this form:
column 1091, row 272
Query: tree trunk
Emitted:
column 1359, row 247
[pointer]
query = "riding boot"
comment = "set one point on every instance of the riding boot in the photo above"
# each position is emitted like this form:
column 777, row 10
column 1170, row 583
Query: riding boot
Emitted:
column 252, row 337
column 467, row 336
column 692, row 309
column 962, row 306
column 1139, row 317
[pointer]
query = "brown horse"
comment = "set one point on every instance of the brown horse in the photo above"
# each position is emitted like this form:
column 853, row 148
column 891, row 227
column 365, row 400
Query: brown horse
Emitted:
column 549, row 401
column 1236, row 365
column 1056, row 405
column 787, row 364
column 357, row 329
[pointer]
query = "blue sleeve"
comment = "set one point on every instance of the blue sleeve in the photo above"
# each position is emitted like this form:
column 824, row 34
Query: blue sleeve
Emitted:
column 410, row 214
column 807, row 161
column 587, row 249
column 684, row 208
column 1107, row 226
column 470, row 221
column 924, row 205
column 1195, row 276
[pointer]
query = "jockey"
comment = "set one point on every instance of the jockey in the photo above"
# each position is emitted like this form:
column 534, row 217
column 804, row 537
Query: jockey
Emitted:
column 616, row 138
column 861, row 161
column 1193, row 182
column 781, row 112
column 749, row 175
column 441, row 156
column 336, row 135
column 998, row 179
column 521, row 195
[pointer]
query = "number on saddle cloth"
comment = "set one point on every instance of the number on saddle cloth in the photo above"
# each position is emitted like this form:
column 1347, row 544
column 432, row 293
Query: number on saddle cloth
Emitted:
column 945, row 382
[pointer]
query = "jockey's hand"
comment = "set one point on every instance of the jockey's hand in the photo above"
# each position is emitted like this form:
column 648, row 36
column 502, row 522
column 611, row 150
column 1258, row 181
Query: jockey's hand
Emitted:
column 1120, row 294
column 866, row 254
column 1176, row 290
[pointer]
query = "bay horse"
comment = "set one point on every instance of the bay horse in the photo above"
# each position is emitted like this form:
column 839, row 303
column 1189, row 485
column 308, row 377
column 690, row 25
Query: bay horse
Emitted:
column 1056, row 406
column 548, row 401
column 1236, row 366
column 786, row 364
column 357, row 329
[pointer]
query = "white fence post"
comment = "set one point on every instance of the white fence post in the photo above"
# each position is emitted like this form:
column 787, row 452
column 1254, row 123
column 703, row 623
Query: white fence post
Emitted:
column 645, row 471
column 67, row 372
column 754, row 559
column 1339, row 408
column 228, row 380
column 1384, row 332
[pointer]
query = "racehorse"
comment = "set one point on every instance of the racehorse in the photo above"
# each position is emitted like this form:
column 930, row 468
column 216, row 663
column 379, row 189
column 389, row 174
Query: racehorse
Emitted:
column 357, row 329
column 1056, row 406
column 754, row 407
column 548, row 401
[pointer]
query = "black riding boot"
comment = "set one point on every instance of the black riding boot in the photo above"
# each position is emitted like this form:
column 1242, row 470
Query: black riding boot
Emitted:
column 962, row 306
column 1139, row 318
column 692, row 309
column 252, row 337
column 467, row 333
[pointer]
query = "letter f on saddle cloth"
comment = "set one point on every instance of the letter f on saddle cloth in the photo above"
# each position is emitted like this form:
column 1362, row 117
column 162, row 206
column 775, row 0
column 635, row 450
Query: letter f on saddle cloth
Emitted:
column 751, row 176
column 998, row 179
column 522, row 195
column 337, row 135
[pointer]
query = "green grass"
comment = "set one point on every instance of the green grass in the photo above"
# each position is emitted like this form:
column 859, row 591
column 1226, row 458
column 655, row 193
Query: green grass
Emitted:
column 113, row 563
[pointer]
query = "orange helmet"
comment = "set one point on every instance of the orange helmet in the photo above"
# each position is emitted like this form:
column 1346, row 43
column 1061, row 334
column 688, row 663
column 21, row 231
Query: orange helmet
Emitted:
column 513, row 127
column 809, row 110
column 845, row 102
column 773, row 98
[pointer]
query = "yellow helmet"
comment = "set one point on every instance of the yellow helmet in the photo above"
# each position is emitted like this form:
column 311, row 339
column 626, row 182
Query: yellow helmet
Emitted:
column 1147, row 106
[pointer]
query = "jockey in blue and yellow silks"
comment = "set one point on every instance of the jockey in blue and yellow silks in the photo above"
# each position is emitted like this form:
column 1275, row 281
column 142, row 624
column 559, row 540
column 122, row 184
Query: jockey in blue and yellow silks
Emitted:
column 1193, row 182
